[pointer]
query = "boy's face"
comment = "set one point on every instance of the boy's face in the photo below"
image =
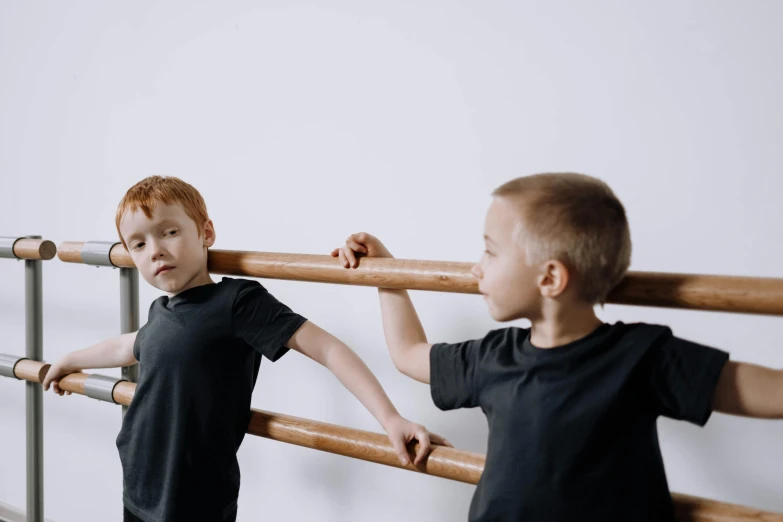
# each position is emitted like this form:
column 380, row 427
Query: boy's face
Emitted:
column 506, row 280
column 169, row 250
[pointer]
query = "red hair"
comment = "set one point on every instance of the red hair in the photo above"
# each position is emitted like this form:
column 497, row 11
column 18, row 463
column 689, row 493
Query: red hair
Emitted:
column 154, row 190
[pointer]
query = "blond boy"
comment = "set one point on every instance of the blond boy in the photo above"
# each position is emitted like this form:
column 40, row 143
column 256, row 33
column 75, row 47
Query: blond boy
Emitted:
column 571, row 402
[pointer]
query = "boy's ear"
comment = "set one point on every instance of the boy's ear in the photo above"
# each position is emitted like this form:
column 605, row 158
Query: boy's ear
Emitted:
column 554, row 278
column 209, row 233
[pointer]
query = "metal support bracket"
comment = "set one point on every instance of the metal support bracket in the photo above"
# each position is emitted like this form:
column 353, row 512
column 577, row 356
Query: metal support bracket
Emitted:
column 7, row 247
column 8, row 364
column 98, row 253
column 101, row 387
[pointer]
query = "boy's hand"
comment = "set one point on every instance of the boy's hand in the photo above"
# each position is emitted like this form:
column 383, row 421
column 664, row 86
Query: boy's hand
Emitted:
column 401, row 431
column 56, row 371
column 357, row 245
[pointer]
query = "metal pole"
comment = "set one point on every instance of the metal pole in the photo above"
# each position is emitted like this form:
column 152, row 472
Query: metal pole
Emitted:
column 34, row 391
column 129, row 315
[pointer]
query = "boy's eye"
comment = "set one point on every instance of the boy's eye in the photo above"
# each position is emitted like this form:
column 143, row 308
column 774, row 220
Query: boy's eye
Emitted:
column 488, row 252
column 172, row 232
column 137, row 246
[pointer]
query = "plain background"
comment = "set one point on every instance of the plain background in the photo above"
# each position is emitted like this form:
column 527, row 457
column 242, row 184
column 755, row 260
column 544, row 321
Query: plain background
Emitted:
column 301, row 122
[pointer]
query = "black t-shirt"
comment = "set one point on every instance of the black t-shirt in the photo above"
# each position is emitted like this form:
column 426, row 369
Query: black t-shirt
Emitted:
column 199, row 356
column 572, row 430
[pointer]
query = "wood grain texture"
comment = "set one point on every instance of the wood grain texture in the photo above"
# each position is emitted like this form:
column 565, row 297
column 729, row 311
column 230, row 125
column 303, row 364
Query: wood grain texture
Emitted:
column 442, row 462
column 29, row 370
column 35, row 249
column 70, row 251
column 695, row 509
column 748, row 295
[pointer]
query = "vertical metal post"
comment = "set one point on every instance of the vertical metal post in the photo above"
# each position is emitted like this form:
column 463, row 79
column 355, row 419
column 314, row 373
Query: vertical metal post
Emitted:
column 129, row 315
column 34, row 391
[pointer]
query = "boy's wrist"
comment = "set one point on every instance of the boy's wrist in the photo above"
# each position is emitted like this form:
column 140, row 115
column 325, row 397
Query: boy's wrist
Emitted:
column 388, row 418
column 66, row 363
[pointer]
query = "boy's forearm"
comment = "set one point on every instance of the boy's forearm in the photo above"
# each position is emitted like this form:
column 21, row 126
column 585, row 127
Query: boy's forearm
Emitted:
column 750, row 390
column 401, row 325
column 357, row 378
column 111, row 353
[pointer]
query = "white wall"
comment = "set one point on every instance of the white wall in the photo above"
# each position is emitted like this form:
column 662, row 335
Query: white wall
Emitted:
column 301, row 123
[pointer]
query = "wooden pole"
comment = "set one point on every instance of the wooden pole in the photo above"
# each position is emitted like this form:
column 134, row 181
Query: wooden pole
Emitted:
column 750, row 295
column 442, row 462
column 35, row 249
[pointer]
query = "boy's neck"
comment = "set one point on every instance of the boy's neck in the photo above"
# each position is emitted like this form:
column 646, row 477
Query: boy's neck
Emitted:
column 562, row 325
column 201, row 279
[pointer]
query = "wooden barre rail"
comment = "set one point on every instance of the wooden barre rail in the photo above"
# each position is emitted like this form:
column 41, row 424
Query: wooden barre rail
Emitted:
column 751, row 295
column 35, row 249
column 442, row 462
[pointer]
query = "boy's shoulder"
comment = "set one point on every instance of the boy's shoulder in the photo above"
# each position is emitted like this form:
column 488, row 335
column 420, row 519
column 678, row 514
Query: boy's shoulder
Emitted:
column 510, row 335
column 640, row 331
column 239, row 282
column 241, row 287
column 234, row 283
column 613, row 333
column 224, row 292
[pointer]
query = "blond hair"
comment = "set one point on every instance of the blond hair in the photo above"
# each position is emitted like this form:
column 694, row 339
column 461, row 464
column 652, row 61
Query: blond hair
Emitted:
column 575, row 219
column 154, row 190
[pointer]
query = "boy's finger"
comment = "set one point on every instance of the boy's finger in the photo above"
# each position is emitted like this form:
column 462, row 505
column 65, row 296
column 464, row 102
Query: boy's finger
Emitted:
column 356, row 246
column 343, row 260
column 335, row 252
column 402, row 452
column 424, row 445
column 48, row 378
column 437, row 439
column 350, row 256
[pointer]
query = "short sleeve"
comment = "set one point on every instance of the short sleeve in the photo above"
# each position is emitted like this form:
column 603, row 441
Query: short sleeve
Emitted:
column 137, row 343
column 262, row 321
column 684, row 375
column 141, row 331
column 453, row 374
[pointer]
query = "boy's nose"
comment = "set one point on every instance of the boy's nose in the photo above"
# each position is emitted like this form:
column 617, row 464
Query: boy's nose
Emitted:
column 476, row 270
column 156, row 251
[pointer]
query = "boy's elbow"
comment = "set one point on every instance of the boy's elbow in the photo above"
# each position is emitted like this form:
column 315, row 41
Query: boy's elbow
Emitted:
column 399, row 362
column 408, row 371
column 409, row 363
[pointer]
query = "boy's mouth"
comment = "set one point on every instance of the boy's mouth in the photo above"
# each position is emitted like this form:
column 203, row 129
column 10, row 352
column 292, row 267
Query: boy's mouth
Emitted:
column 164, row 269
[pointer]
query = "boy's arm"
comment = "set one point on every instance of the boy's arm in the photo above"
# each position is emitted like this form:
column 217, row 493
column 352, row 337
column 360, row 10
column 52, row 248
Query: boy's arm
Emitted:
column 350, row 370
column 749, row 390
column 404, row 334
column 111, row 353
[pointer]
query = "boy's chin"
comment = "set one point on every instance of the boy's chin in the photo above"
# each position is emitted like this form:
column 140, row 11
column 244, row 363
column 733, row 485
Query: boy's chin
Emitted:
column 169, row 287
